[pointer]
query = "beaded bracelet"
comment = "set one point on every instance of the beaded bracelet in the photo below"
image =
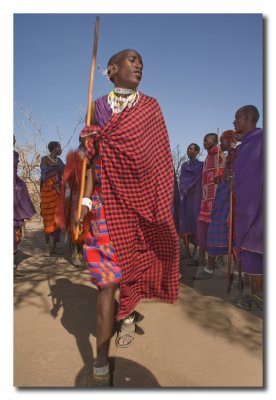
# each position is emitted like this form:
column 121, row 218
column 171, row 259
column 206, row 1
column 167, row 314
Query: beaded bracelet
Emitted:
column 87, row 202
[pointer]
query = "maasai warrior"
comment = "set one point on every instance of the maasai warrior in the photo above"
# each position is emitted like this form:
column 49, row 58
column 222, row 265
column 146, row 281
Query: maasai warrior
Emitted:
column 66, row 210
column 213, row 167
column 218, row 232
column 132, row 241
column 190, row 187
column 51, row 177
column 23, row 209
column 248, row 185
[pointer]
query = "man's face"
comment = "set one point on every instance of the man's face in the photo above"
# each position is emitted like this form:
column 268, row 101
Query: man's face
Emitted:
column 191, row 152
column 128, row 70
column 224, row 144
column 209, row 142
column 58, row 150
column 240, row 124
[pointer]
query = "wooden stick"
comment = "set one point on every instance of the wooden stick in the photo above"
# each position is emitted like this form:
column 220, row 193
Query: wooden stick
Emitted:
column 229, row 269
column 187, row 245
column 218, row 153
column 88, row 119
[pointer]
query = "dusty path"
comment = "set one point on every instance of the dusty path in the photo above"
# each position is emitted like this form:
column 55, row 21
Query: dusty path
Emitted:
column 203, row 340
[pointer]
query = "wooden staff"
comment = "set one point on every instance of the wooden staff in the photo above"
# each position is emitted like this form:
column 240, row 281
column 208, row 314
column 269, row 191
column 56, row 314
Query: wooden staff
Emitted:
column 186, row 241
column 88, row 119
column 218, row 153
column 229, row 269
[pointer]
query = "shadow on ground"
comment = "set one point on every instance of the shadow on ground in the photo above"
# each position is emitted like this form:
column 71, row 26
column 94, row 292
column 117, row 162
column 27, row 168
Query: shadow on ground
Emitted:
column 206, row 302
column 125, row 374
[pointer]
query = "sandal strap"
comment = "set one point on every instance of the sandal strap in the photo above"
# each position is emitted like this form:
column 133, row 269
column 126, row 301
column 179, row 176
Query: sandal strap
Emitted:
column 129, row 319
column 126, row 329
column 98, row 371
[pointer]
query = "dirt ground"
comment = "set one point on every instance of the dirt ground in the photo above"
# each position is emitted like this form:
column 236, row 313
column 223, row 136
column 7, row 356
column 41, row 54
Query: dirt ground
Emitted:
column 201, row 341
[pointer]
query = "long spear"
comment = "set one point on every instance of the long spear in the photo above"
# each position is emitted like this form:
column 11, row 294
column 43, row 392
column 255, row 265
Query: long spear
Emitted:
column 218, row 153
column 229, row 267
column 88, row 119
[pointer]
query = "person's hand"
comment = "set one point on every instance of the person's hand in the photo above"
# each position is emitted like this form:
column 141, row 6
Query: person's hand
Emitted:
column 231, row 184
column 228, row 174
column 79, row 222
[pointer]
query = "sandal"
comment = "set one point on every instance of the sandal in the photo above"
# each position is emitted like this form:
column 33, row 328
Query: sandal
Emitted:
column 192, row 262
column 101, row 376
column 250, row 302
column 126, row 331
column 202, row 275
column 76, row 261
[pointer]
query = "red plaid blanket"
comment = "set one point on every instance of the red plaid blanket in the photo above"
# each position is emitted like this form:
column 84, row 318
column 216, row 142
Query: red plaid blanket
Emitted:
column 137, row 190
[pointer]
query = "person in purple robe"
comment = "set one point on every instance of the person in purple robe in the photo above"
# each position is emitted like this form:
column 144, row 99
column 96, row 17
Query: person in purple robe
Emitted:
column 23, row 209
column 190, row 188
column 248, row 186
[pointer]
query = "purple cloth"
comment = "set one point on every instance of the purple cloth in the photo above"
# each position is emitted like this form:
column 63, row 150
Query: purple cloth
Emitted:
column 249, row 193
column 23, row 207
column 58, row 168
column 218, row 233
column 201, row 234
column 217, row 238
column 252, row 263
column 190, row 188
column 103, row 111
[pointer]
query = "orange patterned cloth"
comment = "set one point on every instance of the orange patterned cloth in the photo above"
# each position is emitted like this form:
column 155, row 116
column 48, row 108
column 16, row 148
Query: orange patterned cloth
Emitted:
column 67, row 207
column 49, row 199
column 50, row 192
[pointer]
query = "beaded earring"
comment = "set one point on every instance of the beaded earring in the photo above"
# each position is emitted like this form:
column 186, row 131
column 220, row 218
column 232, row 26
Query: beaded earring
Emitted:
column 104, row 72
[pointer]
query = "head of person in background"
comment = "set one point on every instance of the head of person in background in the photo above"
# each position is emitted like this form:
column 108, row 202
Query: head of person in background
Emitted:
column 193, row 151
column 210, row 140
column 228, row 140
column 54, row 149
column 246, row 119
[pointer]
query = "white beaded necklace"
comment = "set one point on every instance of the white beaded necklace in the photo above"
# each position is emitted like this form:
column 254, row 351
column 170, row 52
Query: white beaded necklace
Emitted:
column 53, row 160
column 119, row 103
column 119, row 90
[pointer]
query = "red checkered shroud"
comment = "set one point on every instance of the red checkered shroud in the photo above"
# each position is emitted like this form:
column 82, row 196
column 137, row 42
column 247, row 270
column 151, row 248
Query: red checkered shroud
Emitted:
column 137, row 190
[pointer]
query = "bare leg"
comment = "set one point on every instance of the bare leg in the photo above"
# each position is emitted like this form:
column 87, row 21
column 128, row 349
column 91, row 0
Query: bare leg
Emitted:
column 257, row 285
column 105, row 323
column 211, row 262
column 47, row 238
column 75, row 250
column 187, row 247
column 194, row 251
column 202, row 260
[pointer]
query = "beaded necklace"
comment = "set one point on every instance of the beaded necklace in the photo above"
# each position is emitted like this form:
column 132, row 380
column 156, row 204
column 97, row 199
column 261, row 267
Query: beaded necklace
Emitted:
column 53, row 160
column 119, row 103
column 119, row 90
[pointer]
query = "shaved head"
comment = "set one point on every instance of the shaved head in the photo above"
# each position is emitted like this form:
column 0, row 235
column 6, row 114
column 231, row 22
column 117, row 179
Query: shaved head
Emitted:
column 116, row 57
column 251, row 112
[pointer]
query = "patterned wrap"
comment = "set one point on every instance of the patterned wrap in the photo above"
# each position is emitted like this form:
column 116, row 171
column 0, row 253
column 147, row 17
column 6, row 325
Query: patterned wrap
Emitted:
column 49, row 196
column 213, row 166
column 218, row 232
column 98, row 250
column 137, row 191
